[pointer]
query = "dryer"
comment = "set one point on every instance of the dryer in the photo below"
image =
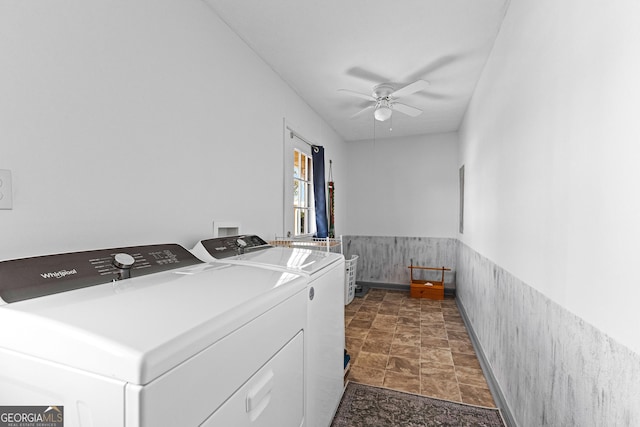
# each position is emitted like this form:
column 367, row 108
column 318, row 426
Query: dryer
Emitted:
column 324, row 330
column 149, row 336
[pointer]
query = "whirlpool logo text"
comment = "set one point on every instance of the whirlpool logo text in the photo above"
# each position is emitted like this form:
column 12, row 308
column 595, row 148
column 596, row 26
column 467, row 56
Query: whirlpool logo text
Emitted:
column 58, row 274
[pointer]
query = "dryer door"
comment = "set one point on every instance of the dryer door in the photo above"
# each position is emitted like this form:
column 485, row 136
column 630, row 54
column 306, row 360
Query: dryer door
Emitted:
column 273, row 396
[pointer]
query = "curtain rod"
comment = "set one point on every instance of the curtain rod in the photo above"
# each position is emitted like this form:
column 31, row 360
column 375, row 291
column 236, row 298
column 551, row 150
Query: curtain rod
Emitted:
column 293, row 133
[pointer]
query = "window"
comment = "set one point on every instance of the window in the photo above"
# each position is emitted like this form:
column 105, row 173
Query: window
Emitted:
column 302, row 193
column 298, row 204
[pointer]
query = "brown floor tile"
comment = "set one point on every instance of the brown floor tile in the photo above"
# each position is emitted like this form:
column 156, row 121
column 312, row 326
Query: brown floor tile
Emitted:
column 403, row 366
column 432, row 342
column 452, row 315
column 353, row 344
column 406, row 351
column 413, row 303
column 411, row 337
column 403, row 382
column 365, row 315
column 371, row 360
column 360, row 324
column 391, row 309
column 466, row 360
column 454, row 327
column 381, row 334
column 432, row 316
column 366, row 375
column 459, row 336
column 409, row 321
column 476, row 396
column 425, row 302
column 432, row 330
column 471, row 376
column 374, row 295
column 369, row 308
column 414, row 345
column 349, row 314
column 407, row 329
column 436, row 355
column 385, row 322
column 430, row 309
column 356, row 333
column 392, row 296
column 437, row 372
column 411, row 313
column 376, row 346
column 441, row 389
column 461, row 347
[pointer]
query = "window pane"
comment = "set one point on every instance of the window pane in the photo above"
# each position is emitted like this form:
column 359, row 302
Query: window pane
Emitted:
column 296, row 164
column 302, row 193
column 296, row 192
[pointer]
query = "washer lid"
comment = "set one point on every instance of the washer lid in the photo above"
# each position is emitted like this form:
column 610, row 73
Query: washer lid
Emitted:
column 135, row 330
column 301, row 261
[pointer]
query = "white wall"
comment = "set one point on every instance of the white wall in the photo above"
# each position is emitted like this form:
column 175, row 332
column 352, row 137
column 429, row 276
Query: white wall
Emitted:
column 550, row 147
column 140, row 122
column 403, row 186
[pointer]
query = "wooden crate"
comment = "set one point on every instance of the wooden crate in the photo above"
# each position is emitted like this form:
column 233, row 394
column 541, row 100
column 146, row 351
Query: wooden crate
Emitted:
column 420, row 289
column 431, row 289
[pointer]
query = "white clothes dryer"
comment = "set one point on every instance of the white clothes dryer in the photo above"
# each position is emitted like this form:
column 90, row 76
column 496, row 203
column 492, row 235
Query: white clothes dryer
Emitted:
column 149, row 336
column 324, row 331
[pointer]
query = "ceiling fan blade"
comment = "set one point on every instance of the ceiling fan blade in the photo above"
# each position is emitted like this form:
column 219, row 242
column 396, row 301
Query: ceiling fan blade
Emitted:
column 433, row 66
column 367, row 108
column 357, row 94
column 361, row 73
column 416, row 86
column 406, row 109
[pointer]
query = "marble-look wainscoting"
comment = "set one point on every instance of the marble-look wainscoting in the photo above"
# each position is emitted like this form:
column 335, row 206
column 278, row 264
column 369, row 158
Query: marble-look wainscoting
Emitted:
column 551, row 367
column 385, row 260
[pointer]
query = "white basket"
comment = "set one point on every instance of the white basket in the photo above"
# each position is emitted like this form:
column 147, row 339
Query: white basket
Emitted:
column 350, row 279
column 314, row 243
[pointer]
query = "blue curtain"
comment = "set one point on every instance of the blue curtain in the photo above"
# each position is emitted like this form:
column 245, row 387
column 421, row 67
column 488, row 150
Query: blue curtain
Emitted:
column 319, row 196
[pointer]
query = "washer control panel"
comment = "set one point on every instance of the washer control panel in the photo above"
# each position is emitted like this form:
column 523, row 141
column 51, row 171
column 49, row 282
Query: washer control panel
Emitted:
column 26, row 278
column 225, row 247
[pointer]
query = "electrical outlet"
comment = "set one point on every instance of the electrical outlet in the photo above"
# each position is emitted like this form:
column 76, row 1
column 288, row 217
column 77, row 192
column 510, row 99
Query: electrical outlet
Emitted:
column 6, row 192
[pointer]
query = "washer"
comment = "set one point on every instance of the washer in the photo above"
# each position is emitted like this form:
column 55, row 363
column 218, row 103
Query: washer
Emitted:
column 150, row 336
column 324, row 332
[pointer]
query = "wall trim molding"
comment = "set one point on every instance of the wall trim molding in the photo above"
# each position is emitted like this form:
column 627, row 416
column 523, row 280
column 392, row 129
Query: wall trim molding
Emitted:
column 494, row 386
column 448, row 291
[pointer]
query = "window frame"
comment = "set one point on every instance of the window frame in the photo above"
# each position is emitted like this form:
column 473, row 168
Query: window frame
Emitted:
column 293, row 140
column 303, row 225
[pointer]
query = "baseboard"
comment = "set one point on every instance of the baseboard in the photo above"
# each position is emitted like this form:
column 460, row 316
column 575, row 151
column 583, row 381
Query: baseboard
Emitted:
column 448, row 290
column 494, row 386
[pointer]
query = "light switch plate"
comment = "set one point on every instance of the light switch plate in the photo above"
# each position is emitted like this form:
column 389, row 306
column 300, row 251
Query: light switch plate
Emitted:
column 6, row 192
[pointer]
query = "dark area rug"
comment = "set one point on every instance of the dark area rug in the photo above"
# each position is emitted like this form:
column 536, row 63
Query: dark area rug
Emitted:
column 369, row 406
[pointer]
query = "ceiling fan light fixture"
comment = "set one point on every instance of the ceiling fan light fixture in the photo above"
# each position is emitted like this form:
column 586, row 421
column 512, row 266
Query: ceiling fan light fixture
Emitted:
column 382, row 113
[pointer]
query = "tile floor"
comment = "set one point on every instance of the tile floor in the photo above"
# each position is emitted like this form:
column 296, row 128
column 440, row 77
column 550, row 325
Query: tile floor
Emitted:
column 415, row 345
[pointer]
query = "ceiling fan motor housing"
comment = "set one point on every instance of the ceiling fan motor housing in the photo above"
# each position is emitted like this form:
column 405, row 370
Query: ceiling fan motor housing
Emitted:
column 383, row 91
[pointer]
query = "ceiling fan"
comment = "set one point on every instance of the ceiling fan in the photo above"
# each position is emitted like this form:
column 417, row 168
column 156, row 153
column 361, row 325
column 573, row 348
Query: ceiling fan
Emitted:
column 384, row 99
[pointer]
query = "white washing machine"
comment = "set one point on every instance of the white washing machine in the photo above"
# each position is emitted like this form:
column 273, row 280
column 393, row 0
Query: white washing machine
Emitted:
column 149, row 336
column 324, row 331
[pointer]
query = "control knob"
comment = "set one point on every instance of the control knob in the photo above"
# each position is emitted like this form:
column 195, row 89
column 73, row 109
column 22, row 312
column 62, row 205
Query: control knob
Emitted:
column 123, row 262
column 241, row 246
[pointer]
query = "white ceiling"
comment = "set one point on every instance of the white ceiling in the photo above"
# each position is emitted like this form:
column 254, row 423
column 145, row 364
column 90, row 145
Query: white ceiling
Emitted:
column 318, row 47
